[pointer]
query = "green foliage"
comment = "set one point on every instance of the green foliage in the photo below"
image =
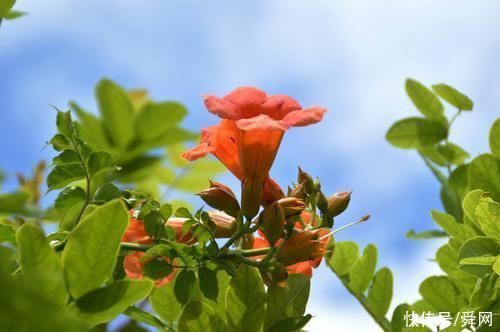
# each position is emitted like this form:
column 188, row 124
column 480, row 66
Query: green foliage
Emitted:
column 413, row 133
column 6, row 11
column 453, row 96
column 246, row 300
column 90, row 252
column 423, row 98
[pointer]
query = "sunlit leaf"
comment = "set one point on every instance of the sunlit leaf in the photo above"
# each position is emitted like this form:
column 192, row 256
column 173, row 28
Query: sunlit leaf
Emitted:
column 479, row 246
column 495, row 138
column 413, row 133
column 453, row 96
column 380, row 292
column 154, row 119
column 362, row 272
column 423, row 98
column 484, row 173
column 164, row 302
column 345, row 255
column 62, row 175
column 439, row 292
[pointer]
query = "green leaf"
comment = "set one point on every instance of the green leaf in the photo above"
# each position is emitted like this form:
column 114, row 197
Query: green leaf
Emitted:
column 470, row 203
column 198, row 316
column 104, row 304
column 64, row 123
column 398, row 322
column 69, row 205
column 42, row 268
column 157, row 269
column 208, row 283
column 154, row 119
column 485, row 260
column 246, row 300
column 90, row 252
column 60, row 142
column 7, row 234
column 414, row 133
column 13, row 202
column 153, row 223
column 362, row 272
column 6, row 6
column 107, row 192
column 287, row 302
column 67, row 156
column 479, row 246
column 460, row 232
column 185, row 287
column 166, row 211
column 453, row 153
column 430, row 234
column 488, row 217
column 194, row 179
column 62, row 175
column 459, row 180
column 100, row 162
column 291, row 324
column 431, row 152
column 440, row 293
column 495, row 138
column 96, row 133
column 345, row 255
column 164, row 302
column 423, row 98
column 453, row 96
column 496, row 265
column 380, row 293
column 13, row 14
column 484, row 173
column 117, row 112
column 142, row 316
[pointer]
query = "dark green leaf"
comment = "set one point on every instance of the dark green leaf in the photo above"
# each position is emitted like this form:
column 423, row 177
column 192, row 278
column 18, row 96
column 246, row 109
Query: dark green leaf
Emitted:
column 246, row 300
column 345, row 255
column 42, row 268
column 423, row 98
column 154, row 119
column 100, row 162
column 484, row 173
column 380, row 293
column 107, row 192
column 208, row 283
column 157, row 269
column 69, row 205
column 164, row 302
column 185, row 287
column 62, row 175
column 166, row 211
column 414, row 133
column 60, row 142
column 453, row 96
column 288, row 301
column 90, row 252
column 291, row 324
column 153, row 222
column 6, row 6
column 104, row 304
column 117, row 112
column 362, row 272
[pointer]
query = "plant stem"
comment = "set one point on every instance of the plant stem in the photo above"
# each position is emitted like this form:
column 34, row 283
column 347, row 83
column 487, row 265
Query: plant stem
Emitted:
column 383, row 322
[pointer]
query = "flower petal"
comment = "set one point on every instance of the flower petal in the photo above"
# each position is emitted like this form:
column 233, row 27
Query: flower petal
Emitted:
column 304, row 268
column 221, row 107
column 304, row 117
column 197, row 152
column 277, row 106
column 262, row 121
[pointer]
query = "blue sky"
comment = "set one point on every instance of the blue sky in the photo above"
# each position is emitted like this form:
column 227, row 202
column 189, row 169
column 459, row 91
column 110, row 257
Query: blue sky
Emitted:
column 351, row 57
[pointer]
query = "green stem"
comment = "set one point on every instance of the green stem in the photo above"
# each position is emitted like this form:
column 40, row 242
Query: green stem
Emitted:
column 383, row 322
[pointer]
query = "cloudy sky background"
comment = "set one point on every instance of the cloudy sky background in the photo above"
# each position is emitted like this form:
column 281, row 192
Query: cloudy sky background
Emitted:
column 351, row 57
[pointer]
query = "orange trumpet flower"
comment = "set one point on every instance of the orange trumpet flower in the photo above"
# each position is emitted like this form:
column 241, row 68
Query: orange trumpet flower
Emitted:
column 248, row 137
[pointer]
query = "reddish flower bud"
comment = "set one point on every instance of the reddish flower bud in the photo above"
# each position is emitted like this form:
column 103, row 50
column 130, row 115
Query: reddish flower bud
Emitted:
column 225, row 225
column 291, row 206
column 305, row 246
column 308, row 181
column 322, row 202
column 272, row 192
column 338, row 202
column 247, row 241
column 251, row 196
column 272, row 219
column 220, row 197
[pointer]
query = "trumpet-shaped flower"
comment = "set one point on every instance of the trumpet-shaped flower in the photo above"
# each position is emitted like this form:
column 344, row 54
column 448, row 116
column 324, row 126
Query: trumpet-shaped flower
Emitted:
column 248, row 136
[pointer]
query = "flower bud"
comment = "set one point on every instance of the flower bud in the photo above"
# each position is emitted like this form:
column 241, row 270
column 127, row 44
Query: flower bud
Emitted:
column 225, row 225
column 299, row 191
column 291, row 206
column 278, row 273
column 338, row 202
column 322, row 203
column 272, row 219
column 304, row 246
column 272, row 192
column 251, row 196
column 307, row 180
column 220, row 197
column 247, row 241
